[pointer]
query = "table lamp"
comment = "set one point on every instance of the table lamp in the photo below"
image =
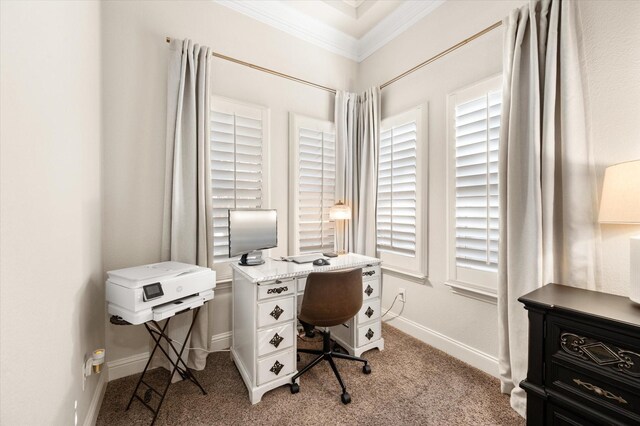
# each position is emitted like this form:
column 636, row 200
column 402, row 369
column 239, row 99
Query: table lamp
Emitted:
column 620, row 204
column 340, row 212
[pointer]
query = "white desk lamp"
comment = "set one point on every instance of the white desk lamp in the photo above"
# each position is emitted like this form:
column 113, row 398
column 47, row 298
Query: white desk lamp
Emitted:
column 340, row 212
column 620, row 204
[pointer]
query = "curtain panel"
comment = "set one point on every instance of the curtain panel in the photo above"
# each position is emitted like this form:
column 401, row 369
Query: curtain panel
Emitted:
column 187, row 202
column 547, row 187
column 357, row 118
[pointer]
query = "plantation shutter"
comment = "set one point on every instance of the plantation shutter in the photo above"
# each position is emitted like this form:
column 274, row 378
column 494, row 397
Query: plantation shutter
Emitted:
column 396, row 216
column 236, row 169
column 477, row 129
column 316, row 186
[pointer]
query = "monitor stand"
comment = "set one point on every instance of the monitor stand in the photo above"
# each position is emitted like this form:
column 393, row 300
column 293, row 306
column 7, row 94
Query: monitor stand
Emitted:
column 244, row 261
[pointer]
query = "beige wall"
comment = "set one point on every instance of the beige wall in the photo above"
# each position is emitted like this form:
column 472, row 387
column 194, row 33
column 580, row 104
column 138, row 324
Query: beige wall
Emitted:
column 52, row 292
column 612, row 67
column 135, row 63
column 612, row 61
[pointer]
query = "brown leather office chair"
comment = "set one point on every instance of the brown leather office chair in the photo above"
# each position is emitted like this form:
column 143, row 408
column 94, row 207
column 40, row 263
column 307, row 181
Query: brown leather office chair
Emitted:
column 330, row 299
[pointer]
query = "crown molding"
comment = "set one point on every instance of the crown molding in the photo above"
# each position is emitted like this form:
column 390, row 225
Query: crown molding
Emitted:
column 397, row 22
column 278, row 15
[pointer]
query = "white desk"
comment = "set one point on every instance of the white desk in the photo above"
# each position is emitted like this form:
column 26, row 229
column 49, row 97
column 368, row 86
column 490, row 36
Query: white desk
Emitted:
column 265, row 311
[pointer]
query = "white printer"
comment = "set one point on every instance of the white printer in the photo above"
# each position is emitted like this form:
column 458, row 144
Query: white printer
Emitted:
column 157, row 291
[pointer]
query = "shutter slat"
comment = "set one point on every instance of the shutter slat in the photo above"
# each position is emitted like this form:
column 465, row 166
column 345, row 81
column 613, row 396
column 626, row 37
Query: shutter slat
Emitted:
column 396, row 231
column 476, row 205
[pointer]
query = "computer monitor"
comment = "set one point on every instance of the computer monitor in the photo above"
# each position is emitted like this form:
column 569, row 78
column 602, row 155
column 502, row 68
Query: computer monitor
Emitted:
column 250, row 230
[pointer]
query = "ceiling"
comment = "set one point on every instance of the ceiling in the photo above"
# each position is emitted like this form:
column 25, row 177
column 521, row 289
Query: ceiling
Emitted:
column 351, row 28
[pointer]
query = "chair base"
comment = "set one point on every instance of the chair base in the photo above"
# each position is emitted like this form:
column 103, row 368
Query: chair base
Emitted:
column 327, row 354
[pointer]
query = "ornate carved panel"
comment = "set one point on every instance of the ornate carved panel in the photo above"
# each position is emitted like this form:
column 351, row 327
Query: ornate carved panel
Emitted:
column 602, row 354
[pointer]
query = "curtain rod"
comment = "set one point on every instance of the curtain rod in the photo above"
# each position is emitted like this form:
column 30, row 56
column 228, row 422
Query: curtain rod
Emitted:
column 382, row 86
column 268, row 71
column 441, row 54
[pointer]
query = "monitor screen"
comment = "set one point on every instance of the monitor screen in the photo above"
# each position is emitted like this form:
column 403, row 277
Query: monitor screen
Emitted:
column 252, row 229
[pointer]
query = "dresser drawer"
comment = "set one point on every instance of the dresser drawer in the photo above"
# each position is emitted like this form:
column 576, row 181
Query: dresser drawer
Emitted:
column 275, row 339
column 368, row 333
column 595, row 348
column 370, row 311
column 275, row 366
column 276, row 288
column 614, row 398
column 276, row 311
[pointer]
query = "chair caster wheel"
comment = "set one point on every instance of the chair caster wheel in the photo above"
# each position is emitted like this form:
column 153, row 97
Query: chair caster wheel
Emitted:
column 366, row 369
column 295, row 388
column 346, row 398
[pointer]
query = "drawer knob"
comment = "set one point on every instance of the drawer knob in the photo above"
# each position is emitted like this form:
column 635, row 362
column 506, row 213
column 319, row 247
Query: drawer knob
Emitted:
column 277, row 290
column 368, row 290
column 276, row 340
column 368, row 273
column 599, row 391
column 277, row 311
column 369, row 312
column 369, row 334
column 275, row 369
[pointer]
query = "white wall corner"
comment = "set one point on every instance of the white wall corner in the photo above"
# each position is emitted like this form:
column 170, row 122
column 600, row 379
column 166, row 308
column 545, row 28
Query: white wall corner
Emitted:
column 465, row 353
column 96, row 400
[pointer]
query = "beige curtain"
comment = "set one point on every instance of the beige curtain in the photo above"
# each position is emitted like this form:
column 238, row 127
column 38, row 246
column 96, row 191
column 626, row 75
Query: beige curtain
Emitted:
column 357, row 119
column 548, row 199
column 187, row 203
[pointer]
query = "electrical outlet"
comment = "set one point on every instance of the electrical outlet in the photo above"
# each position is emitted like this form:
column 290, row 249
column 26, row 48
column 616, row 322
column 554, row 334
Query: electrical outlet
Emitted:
column 402, row 294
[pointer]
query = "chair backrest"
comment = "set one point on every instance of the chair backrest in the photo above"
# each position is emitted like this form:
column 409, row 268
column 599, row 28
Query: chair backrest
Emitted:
column 331, row 298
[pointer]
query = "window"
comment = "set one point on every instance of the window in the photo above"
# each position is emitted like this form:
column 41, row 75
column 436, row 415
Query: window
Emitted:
column 399, row 230
column 238, row 133
column 313, row 172
column 474, row 115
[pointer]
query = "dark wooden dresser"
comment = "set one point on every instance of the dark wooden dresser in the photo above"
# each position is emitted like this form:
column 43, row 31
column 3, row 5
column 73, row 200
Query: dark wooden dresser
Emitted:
column 584, row 358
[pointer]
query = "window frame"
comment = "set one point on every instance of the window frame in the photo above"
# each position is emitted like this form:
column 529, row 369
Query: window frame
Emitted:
column 475, row 283
column 413, row 267
column 232, row 106
column 297, row 121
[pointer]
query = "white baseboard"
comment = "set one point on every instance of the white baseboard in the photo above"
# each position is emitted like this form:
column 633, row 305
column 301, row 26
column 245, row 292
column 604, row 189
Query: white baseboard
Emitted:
column 124, row 367
column 220, row 341
column 96, row 401
column 472, row 356
column 134, row 364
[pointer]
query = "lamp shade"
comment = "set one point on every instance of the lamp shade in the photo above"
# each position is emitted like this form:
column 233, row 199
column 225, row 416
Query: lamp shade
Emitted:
column 621, row 193
column 340, row 212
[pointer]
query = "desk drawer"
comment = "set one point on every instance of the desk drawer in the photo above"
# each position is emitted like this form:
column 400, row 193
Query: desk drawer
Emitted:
column 276, row 366
column 276, row 288
column 368, row 333
column 371, row 289
column 370, row 273
column 370, row 311
column 276, row 311
column 275, row 339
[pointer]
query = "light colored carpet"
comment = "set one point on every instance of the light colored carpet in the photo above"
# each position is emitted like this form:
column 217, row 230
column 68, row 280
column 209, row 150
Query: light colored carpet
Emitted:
column 411, row 384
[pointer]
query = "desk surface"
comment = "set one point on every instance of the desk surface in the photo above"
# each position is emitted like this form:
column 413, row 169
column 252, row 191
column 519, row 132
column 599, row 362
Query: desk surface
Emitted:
column 278, row 269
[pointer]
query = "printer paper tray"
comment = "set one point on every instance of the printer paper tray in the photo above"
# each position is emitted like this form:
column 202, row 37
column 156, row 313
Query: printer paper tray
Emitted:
column 170, row 309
